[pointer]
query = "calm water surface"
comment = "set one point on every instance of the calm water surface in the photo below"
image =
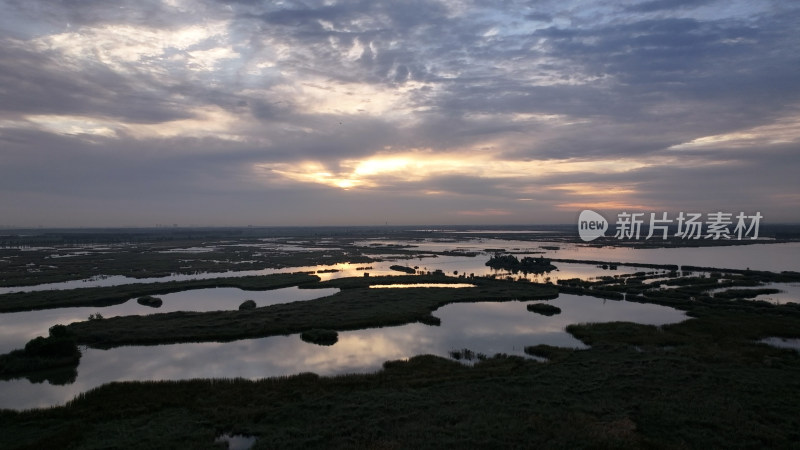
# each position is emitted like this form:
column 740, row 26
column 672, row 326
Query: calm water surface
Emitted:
column 482, row 327
column 447, row 264
column 782, row 342
column 790, row 292
column 772, row 257
column 486, row 327
column 18, row 328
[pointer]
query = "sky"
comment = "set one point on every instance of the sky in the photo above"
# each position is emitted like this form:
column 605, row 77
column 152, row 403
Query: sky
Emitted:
column 243, row 112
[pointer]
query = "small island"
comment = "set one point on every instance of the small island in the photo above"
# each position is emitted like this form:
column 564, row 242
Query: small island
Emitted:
column 149, row 300
column 526, row 265
column 58, row 350
column 320, row 337
column 406, row 269
column 544, row 309
column 247, row 305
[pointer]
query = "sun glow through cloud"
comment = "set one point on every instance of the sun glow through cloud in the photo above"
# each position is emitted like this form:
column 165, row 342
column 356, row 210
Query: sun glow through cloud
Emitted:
column 490, row 110
column 422, row 165
column 784, row 131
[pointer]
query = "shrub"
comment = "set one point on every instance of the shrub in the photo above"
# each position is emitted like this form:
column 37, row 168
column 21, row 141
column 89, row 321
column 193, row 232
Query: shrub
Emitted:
column 247, row 305
column 59, row 331
column 526, row 265
column 149, row 300
column 542, row 351
column 431, row 320
column 320, row 337
column 60, row 343
column 467, row 355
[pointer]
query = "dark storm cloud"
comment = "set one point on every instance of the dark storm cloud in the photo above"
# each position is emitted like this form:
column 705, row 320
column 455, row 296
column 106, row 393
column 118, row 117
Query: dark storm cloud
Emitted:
column 733, row 75
column 661, row 5
column 40, row 83
column 473, row 186
column 191, row 115
column 540, row 17
column 412, row 40
column 681, row 57
column 333, row 138
column 74, row 13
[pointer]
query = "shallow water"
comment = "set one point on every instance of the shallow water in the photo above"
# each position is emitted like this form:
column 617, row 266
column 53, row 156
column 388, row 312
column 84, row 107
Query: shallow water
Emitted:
column 236, row 441
column 422, row 285
column 447, row 264
column 485, row 327
column 790, row 292
column 782, row 342
column 190, row 250
column 117, row 280
column 482, row 327
column 479, row 232
column 772, row 257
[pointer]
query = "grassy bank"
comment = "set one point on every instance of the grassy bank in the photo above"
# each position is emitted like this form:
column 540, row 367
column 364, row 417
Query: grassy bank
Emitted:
column 114, row 295
column 354, row 307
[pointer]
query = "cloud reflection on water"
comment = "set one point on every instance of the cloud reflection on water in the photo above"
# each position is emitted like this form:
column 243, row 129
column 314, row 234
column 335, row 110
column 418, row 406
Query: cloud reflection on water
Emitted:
column 484, row 327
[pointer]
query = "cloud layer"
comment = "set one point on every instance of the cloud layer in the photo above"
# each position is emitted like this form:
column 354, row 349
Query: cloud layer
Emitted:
column 318, row 112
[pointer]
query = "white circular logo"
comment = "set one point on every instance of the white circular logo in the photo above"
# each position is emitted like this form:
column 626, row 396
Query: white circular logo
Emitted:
column 591, row 225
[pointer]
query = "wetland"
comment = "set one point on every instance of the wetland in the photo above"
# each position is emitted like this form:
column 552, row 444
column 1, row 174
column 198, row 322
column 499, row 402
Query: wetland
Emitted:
column 256, row 334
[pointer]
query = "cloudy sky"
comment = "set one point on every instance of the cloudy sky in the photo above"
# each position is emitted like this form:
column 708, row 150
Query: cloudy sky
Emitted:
column 237, row 112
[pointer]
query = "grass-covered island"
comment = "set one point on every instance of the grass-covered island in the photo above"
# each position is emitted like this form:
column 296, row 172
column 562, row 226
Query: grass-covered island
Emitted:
column 544, row 309
column 149, row 300
column 320, row 337
column 527, row 264
column 356, row 306
column 405, row 269
column 43, row 357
